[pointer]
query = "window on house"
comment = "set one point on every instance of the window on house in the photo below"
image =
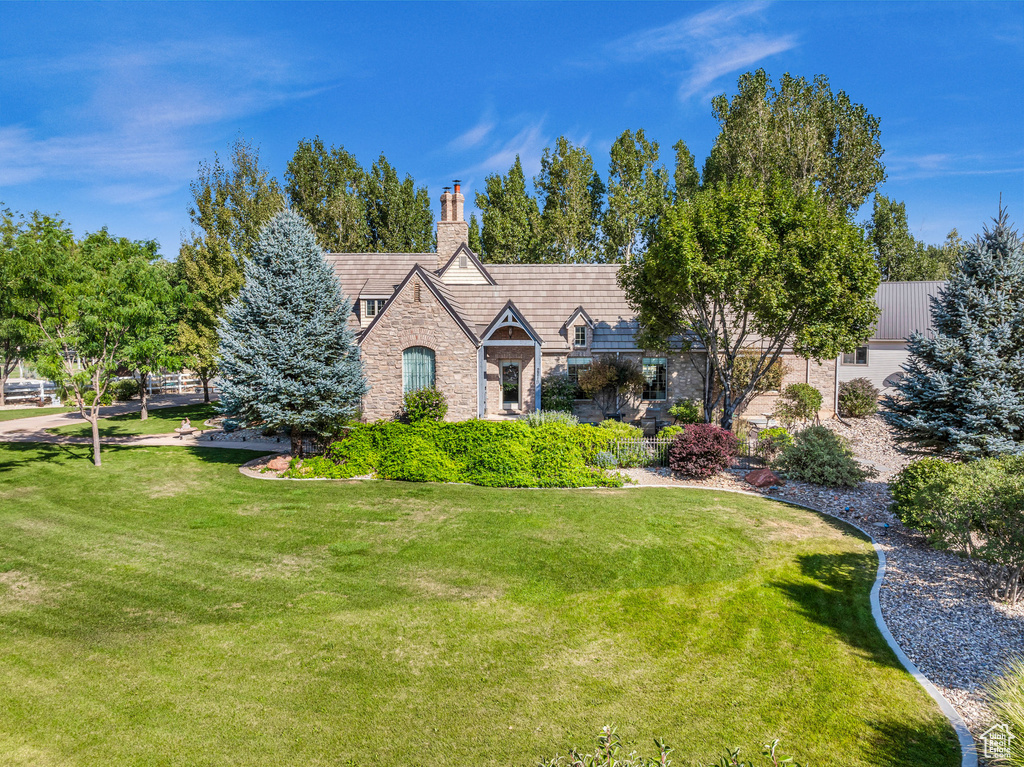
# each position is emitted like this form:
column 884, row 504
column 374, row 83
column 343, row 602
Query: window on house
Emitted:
column 655, row 377
column 577, row 365
column 579, row 335
column 857, row 357
column 417, row 368
column 374, row 306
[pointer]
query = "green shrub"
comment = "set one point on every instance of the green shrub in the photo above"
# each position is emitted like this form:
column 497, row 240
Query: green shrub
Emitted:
column 318, row 467
column 820, row 456
column 541, row 417
column 1006, row 697
column 772, row 441
column 427, row 404
column 799, row 403
column 124, row 390
column 909, row 502
column 89, row 396
column 858, row 398
column 743, row 369
column 686, row 411
column 670, row 431
column 620, row 429
column 412, row 456
column 561, row 454
column 356, row 453
column 605, row 460
column 978, row 510
column 558, row 392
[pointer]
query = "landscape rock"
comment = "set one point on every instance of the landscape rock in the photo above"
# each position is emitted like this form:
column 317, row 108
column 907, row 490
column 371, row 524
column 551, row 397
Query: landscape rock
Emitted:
column 279, row 463
column 763, row 478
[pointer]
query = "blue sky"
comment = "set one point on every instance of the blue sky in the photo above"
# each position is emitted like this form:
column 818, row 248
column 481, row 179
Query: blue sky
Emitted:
column 106, row 109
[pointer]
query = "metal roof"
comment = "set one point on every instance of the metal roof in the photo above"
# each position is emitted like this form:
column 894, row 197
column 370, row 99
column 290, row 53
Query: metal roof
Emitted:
column 905, row 308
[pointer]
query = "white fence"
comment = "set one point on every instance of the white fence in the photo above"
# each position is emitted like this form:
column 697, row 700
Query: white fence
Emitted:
column 39, row 392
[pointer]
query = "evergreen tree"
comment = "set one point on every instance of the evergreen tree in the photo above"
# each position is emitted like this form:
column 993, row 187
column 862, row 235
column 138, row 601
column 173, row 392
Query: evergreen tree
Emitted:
column 288, row 357
column 963, row 391
column 637, row 196
column 511, row 219
column 571, row 196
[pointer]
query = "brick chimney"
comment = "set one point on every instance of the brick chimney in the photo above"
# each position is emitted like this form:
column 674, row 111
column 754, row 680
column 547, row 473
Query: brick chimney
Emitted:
column 452, row 229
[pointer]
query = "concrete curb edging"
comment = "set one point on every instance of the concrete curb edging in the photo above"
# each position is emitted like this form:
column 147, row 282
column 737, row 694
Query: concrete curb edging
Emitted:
column 968, row 748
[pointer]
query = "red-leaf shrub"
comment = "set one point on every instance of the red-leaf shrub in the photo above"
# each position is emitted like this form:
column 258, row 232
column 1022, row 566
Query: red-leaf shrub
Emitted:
column 702, row 450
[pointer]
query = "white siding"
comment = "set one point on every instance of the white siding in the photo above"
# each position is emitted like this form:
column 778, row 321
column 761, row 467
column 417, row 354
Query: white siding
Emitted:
column 884, row 359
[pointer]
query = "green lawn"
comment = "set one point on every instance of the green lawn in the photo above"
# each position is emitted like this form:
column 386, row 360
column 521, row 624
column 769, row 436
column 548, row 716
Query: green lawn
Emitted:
column 161, row 421
column 13, row 415
column 165, row 610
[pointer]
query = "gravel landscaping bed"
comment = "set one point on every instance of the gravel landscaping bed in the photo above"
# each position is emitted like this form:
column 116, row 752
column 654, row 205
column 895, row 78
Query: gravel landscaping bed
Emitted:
column 932, row 601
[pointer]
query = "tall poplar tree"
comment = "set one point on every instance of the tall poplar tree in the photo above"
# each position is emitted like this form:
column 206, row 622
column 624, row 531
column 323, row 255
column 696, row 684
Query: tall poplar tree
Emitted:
column 511, row 219
column 638, row 194
column 963, row 390
column 288, row 356
column 398, row 214
column 899, row 255
column 230, row 205
column 686, row 178
column 801, row 131
column 325, row 187
column 571, row 198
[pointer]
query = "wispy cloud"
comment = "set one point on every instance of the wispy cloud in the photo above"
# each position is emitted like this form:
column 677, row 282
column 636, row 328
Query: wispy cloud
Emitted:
column 473, row 137
column 909, row 167
column 528, row 143
column 708, row 45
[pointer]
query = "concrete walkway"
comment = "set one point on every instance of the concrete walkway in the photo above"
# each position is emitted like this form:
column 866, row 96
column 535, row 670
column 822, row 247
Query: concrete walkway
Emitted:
column 35, row 429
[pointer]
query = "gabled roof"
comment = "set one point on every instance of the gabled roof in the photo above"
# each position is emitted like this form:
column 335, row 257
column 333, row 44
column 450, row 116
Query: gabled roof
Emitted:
column 579, row 312
column 501, row 319
column 463, row 250
column 443, row 296
column 906, row 307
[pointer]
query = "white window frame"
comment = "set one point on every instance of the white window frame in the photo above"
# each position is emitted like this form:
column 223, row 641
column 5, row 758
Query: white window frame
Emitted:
column 576, row 336
column 376, row 303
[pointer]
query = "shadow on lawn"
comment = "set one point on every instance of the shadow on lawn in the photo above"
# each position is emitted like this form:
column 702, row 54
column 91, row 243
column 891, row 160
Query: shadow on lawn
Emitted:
column 918, row 744
column 33, row 452
column 835, row 593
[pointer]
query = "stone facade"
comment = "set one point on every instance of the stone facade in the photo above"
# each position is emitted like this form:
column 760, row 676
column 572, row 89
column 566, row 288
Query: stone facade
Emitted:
column 427, row 323
column 452, row 229
column 799, row 370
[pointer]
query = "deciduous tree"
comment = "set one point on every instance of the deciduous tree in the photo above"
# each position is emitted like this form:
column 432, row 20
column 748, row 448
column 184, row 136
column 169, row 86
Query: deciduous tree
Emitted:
column 288, row 357
column 637, row 196
column 803, row 132
column 571, row 196
column 511, row 219
column 398, row 214
column 325, row 187
column 738, row 266
column 19, row 337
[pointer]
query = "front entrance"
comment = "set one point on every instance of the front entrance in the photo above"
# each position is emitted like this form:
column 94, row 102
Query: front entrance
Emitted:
column 510, row 375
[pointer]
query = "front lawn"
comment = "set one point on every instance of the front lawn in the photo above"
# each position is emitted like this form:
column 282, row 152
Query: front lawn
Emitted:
column 161, row 421
column 32, row 412
column 164, row 609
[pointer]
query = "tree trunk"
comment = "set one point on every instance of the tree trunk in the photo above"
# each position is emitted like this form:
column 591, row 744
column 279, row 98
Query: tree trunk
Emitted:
column 144, row 413
column 3, row 384
column 296, row 438
column 95, row 421
column 206, row 388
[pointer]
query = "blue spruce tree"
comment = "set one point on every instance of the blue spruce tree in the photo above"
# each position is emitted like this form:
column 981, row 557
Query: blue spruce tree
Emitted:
column 288, row 357
column 963, row 390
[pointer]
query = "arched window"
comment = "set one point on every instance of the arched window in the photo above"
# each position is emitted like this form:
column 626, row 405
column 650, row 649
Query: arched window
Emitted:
column 417, row 368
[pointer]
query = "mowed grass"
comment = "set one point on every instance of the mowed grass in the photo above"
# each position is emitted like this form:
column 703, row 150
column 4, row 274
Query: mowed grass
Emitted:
column 161, row 421
column 165, row 610
column 31, row 412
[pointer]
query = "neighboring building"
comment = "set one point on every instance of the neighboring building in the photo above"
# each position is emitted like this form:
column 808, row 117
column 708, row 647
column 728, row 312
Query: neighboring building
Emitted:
column 905, row 309
column 485, row 335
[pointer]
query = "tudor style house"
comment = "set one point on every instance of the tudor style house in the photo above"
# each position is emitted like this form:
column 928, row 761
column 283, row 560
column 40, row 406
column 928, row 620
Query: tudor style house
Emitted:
column 485, row 335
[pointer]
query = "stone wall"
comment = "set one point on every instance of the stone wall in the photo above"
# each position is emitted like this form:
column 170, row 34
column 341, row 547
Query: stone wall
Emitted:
column 426, row 322
column 799, row 370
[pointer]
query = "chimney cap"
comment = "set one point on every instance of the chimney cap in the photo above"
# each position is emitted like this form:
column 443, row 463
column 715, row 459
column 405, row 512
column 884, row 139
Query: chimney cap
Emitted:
column 447, row 189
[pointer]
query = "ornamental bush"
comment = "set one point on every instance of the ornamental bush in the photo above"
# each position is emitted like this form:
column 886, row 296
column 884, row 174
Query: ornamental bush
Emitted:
column 89, row 397
column 978, row 510
column 858, row 398
column 909, row 503
column 702, row 450
column 770, row 442
column 686, row 411
column 558, row 392
column 821, row 457
column 428, row 404
column 412, row 456
column 124, row 390
column 541, row 417
column 799, row 403
column 1006, row 695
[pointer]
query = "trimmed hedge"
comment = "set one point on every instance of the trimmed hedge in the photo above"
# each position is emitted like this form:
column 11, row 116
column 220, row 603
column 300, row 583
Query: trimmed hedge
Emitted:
column 488, row 453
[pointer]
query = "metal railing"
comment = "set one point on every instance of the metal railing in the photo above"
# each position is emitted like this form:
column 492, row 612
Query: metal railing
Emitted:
column 630, row 452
